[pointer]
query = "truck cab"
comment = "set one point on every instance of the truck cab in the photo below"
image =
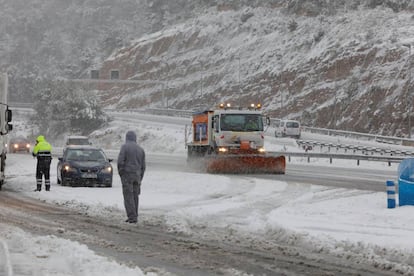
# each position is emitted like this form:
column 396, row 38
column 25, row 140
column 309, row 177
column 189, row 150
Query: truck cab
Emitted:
column 236, row 130
column 227, row 130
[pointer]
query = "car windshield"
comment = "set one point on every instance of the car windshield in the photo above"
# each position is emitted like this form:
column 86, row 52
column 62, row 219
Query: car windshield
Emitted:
column 241, row 122
column 85, row 155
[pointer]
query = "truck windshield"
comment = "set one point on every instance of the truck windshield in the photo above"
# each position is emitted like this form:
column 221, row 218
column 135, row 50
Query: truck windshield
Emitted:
column 241, row 122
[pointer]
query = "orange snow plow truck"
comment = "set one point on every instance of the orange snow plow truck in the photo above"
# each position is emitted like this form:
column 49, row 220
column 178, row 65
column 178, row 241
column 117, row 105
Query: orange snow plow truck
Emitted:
column 232, row 141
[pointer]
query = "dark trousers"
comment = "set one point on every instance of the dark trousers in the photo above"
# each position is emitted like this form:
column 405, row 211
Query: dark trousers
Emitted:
column 43, row 169
column 131, row 189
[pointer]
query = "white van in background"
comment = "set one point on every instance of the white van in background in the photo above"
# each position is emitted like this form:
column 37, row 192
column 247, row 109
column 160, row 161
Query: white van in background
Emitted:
column 288, row 128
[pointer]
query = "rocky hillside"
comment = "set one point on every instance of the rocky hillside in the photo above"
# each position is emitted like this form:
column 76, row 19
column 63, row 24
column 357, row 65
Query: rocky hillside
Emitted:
column 344, row 66
column 335, row 64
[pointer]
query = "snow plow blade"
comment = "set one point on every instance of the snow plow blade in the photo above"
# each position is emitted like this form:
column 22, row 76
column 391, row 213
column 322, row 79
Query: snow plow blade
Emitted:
column 247, row 164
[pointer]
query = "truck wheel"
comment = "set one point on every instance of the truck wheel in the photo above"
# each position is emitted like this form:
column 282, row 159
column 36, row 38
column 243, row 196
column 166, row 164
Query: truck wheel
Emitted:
column 190, row 152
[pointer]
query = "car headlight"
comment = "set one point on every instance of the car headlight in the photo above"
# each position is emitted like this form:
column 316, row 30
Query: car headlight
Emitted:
column 107, row 169
column 68, row 168
column 261, row 150
column 16, row 146
column 27, row 145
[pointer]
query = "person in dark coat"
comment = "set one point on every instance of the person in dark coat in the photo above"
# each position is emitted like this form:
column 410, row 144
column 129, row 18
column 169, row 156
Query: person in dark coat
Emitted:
column 131, row 169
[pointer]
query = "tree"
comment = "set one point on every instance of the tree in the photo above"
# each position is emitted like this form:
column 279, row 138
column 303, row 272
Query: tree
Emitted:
column 62, row 107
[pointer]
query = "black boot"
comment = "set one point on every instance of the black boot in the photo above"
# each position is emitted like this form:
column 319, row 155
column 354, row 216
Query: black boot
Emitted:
column 47, row 188
column 38, row 188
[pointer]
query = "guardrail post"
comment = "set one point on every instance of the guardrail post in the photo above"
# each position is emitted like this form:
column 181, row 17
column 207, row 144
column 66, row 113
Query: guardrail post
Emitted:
column 357, row 162
column 308, row 159
column 390, row 194
column 330, row 160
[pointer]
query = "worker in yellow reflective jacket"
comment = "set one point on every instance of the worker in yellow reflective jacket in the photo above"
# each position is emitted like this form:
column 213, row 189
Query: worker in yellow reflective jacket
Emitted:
column 43, row 152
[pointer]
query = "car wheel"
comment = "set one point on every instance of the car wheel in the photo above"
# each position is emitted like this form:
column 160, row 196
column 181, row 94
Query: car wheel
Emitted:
column 57, row 176
column 64, row 182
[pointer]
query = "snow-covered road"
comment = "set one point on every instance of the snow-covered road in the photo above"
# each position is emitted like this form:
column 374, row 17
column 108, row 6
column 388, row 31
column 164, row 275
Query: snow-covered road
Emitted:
column 343, row 223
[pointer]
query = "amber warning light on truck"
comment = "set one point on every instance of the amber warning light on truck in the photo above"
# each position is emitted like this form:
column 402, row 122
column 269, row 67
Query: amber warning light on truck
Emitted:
column 252, row 106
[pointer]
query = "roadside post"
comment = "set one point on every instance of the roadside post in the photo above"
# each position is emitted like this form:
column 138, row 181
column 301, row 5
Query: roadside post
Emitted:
column 390, row 194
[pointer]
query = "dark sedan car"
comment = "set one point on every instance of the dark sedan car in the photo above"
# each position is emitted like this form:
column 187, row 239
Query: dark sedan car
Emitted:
column 19, row 144
column 84, row 166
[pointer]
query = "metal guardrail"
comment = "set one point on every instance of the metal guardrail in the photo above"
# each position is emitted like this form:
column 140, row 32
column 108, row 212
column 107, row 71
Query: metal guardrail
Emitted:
column 158, row 111
column 170, row 112
column 359, row 135
column 331, row 156
column 354, row 148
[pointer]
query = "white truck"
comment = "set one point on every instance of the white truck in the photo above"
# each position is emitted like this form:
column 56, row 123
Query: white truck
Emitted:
column 231, row 140
column 5, row 126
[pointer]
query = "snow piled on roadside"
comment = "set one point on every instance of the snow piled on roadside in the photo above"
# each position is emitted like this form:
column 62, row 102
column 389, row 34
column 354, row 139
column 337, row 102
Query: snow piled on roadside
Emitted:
column 49, row 255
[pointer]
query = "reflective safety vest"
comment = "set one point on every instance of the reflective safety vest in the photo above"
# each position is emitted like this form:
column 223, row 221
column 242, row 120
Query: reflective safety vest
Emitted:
column 42, row 148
